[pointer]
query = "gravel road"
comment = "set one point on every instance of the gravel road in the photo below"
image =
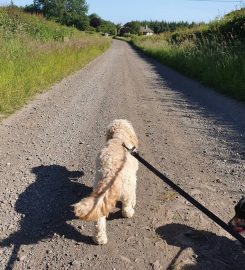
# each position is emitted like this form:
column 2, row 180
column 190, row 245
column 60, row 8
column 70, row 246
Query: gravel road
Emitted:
column 47, row 156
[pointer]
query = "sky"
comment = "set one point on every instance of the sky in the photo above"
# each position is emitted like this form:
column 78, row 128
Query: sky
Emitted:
column 122, row 11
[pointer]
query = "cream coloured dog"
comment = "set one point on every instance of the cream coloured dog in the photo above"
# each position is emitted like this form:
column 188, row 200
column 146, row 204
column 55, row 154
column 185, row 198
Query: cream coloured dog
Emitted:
column 115, row 179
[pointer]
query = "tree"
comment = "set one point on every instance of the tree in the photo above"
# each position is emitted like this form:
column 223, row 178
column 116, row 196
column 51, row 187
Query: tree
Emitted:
column 31, row 9
column 133, row 27
column 68, row 12
column 95, row 20
column 108, row 27
column 101, row 25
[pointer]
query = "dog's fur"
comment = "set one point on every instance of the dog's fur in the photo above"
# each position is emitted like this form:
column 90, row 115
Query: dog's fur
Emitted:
column 115, row 179
column 238, row 221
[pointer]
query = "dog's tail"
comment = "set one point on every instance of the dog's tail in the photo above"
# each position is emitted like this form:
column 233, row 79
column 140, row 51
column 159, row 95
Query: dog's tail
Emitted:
column 98, row 204
column 102, row 200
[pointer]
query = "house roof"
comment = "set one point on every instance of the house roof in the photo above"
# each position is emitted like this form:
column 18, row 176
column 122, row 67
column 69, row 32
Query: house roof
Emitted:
column 146, row 29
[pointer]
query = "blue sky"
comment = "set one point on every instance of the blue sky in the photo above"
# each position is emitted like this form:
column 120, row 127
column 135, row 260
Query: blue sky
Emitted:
column 168, row 10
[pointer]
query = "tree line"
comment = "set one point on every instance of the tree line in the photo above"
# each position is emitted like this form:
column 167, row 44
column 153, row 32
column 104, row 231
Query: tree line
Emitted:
column 71, row 13
column 75, row 13
column 158, row 27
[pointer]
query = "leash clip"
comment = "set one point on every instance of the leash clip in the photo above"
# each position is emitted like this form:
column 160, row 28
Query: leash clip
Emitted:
column 132, row 151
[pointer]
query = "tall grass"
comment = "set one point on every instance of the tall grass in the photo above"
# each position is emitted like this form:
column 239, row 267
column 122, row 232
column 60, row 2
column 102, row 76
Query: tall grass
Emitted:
column 34, row 53
column 214, row 54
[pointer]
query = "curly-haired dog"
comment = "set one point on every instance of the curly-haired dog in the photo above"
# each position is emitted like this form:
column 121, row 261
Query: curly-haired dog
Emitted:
column 115, row 179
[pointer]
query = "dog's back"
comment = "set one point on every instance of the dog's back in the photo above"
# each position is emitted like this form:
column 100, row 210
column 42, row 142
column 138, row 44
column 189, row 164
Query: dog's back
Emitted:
column 116, row 173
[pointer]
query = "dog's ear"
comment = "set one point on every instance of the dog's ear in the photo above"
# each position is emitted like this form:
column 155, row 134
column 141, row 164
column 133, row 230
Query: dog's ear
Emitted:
column 111, row 129
column 109, row 133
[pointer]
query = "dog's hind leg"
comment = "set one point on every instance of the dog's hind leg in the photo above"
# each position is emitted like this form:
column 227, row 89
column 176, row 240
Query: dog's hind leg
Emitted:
column 128, row 206
column 129, row 197
column 100, row 236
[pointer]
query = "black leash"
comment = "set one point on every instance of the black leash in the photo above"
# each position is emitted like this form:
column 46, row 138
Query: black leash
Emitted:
column 189, row 198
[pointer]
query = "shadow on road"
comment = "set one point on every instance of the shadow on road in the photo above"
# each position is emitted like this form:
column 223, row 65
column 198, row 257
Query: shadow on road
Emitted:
column 211, row 251
column 46, row 207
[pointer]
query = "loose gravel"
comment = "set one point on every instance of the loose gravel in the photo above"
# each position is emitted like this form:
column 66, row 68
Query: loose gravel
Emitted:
column 47, row 162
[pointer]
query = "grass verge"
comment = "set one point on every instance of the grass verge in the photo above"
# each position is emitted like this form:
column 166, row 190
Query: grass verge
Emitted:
column 214, row 54
column 35, row 53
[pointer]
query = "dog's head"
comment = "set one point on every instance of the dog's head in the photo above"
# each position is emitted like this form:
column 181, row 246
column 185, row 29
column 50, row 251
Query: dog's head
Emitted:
column 123, row 129
column 238, row 221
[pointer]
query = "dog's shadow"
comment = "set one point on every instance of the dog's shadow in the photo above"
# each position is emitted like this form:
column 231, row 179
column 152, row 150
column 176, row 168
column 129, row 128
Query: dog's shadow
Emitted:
column 210, row 250
column 45, row 208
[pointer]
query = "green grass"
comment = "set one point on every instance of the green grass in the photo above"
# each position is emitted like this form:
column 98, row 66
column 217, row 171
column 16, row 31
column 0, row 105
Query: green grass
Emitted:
column 213, row 53
column 35, row 53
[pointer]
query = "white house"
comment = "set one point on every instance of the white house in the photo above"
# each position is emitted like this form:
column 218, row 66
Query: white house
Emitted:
column 146, row 31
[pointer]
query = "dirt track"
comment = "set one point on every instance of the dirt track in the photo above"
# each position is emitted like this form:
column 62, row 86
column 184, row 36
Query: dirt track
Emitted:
column 47, row 154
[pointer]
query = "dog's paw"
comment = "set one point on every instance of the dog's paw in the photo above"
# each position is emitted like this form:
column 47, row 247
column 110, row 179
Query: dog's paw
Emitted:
column 100, row 240
column 128, row 212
